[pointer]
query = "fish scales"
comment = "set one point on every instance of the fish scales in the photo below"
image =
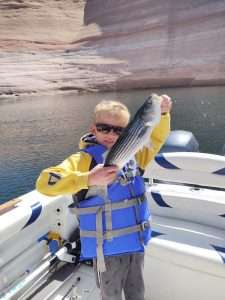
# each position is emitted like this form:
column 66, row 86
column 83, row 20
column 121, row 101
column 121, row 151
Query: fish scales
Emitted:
column 117, row 154
column 132, row 133
column 132, row 141
column 129, row 139
column 125, row 147
column 136, row 134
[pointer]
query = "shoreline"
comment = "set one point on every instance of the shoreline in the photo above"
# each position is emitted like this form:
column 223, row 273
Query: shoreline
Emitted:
column 18, row 95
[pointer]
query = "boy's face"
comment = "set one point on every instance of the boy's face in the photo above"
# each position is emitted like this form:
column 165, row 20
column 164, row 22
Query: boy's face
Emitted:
column 107, row 129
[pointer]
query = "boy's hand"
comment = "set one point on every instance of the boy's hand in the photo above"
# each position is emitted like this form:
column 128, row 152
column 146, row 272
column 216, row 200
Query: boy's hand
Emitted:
column 166, row 104
column 101, row 175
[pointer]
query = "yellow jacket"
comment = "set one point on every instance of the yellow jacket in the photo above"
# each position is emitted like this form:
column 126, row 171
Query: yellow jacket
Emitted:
column 71, row 175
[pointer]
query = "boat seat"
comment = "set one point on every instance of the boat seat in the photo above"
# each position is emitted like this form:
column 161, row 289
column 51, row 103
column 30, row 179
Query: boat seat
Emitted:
column 188, row 186
column 198, row 169
column 186, row 256
column 194, row 204
column 185, row 261
column 192, row 245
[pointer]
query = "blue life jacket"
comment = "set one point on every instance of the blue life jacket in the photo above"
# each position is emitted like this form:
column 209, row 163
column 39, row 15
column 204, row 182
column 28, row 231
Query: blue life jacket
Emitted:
column 117, row 221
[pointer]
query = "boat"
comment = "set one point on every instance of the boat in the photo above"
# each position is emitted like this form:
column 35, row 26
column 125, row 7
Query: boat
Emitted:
column 185, row 259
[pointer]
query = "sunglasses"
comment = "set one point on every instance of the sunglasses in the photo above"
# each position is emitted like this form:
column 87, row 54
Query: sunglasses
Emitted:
column 106, row 128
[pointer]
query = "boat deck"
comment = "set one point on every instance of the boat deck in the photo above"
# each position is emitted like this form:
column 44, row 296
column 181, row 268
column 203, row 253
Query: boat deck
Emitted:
column 69, row 281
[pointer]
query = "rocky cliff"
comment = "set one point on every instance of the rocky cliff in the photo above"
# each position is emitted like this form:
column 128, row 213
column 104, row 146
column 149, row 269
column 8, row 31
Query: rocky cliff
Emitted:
column 61, row 45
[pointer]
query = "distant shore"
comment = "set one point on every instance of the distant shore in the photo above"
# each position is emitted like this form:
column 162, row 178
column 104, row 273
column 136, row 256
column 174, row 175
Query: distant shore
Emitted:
column 84, row 46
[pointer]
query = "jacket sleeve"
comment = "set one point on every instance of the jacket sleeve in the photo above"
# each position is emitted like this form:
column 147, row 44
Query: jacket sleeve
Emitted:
column 69, row 177
column 157, row 139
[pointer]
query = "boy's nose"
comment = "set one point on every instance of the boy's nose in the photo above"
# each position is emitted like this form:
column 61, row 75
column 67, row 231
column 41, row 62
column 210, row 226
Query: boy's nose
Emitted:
column 113, row 133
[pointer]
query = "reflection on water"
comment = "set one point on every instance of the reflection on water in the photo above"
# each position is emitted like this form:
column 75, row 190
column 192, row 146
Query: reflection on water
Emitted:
column 39, row 132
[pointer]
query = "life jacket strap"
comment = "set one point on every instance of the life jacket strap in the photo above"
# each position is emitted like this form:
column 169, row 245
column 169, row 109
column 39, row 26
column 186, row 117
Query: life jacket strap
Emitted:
column 108, row 213
column 113, row 205
column 118, row 232
column 99, row 241
column 100, row 236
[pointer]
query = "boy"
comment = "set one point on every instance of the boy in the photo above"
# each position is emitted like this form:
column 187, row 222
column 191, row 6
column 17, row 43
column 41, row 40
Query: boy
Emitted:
column 118, row 254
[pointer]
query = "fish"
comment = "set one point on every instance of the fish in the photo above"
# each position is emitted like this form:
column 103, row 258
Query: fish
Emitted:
column 136, row 134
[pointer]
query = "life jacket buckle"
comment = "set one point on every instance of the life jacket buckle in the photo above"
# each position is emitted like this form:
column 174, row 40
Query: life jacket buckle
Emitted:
column 145, row 225
column 108, row 236
column 141, row 199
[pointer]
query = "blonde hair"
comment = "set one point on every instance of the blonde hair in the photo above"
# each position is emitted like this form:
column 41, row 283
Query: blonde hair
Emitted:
column 113, row 108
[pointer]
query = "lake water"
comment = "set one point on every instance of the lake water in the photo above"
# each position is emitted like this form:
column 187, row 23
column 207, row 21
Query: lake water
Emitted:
column 37, row 132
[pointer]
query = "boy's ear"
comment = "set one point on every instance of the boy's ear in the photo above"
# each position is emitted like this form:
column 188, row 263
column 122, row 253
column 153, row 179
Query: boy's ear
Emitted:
column 92, row 129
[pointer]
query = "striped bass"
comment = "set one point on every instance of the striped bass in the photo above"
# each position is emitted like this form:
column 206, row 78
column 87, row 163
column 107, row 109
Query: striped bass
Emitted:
column 136, row 134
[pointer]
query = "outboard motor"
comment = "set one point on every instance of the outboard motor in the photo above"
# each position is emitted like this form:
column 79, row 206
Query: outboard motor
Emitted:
column 180, row 141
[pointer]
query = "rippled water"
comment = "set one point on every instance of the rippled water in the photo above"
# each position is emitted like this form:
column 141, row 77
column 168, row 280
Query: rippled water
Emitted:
column 37, row 132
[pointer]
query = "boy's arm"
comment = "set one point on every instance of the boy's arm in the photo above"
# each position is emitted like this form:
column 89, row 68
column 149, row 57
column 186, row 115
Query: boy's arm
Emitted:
column 157, row 139
column 68, row 177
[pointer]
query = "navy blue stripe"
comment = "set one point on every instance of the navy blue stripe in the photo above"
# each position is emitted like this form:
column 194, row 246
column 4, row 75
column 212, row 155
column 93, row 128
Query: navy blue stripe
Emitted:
column 156, row 233
column 221, row 251
column 220, row 172
column 159, row 200
column 163, row 162
column 36, row 210
column 223, row 216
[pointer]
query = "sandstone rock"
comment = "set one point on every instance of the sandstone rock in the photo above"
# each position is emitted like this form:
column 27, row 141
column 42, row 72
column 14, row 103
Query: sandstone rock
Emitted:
column 64, row 45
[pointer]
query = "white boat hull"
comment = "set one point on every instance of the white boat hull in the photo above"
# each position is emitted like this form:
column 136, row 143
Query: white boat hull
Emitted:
column 184, row 260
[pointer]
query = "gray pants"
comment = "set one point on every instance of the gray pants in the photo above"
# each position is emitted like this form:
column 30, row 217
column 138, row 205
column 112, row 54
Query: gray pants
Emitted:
column 123, row 273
